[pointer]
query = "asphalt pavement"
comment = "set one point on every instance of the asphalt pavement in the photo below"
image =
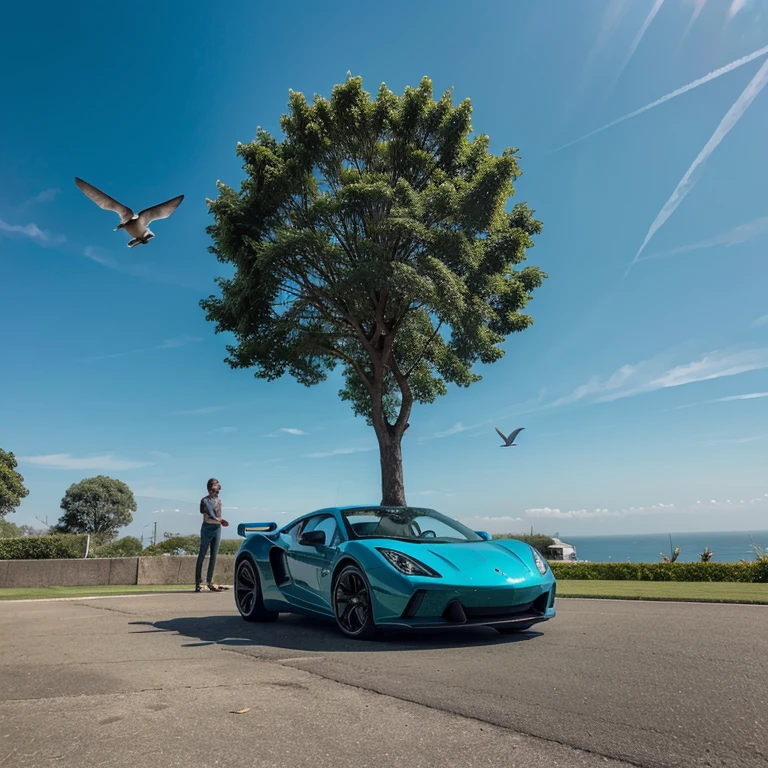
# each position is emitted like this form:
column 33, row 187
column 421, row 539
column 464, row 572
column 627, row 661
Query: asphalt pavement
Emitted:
column 157, row 680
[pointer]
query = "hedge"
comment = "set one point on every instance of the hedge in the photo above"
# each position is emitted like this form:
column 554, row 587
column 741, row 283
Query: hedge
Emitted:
column 753, row 572
column 62, row 545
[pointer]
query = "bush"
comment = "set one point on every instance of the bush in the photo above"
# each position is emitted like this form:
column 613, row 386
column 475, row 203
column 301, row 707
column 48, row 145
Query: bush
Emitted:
column 128, row 546
column 753, row 572
column 66, row 545
column 538, row 541
column 188, row 545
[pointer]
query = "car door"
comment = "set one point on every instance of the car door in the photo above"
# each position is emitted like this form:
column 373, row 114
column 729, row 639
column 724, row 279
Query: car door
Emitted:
column 310, row 564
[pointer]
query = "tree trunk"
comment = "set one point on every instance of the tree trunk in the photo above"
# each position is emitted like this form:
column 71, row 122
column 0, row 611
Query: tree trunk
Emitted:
column 390, row 452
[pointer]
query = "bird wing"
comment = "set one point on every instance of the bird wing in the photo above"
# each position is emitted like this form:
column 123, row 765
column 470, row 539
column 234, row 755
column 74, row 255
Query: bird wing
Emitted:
column 501, row 434
column 515, row 434
column 103, row 200
column 161, row 211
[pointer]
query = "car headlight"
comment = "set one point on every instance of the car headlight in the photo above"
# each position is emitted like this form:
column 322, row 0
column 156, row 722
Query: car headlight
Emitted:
column 541, row 563
column 407, row 565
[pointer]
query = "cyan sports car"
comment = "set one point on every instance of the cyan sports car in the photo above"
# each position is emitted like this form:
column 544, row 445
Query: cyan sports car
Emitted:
column 373, row 568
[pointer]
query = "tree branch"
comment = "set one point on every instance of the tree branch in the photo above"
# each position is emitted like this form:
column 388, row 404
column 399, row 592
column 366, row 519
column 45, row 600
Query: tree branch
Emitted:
column 423, row 351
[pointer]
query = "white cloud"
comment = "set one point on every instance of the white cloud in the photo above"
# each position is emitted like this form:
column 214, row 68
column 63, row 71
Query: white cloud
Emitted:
column 175, row 343
column 649, row 376
column 47, row 195
column 285, row 431
column 141, row 271
column 337, row 452
column 686, row 184
column 761, row 321
column 729, row 399
column 31, row 231
column 202, row 411
column 735, row 236
column 571, row 514
column 733, row 440
column 105, row 462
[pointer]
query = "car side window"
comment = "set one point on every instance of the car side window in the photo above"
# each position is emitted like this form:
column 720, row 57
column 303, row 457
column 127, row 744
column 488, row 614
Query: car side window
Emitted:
column 295, row 530
column 328, row 525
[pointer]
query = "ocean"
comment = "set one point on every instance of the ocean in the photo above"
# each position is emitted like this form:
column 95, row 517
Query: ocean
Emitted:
column 727, row 546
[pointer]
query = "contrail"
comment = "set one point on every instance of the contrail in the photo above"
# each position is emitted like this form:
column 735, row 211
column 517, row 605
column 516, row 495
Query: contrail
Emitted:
column 679, row 92
column 735, row 236
column 756, row 84
column 696, row 13
column 639, row 36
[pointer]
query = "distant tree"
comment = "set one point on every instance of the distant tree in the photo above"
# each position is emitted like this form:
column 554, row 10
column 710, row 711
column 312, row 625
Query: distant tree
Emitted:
column 127, row 546
column 374, row 236
column 99, row 505
column 12, row 489
column 706, row 555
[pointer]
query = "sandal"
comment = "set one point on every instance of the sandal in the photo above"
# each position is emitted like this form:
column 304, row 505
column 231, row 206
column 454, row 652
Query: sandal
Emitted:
column 216, row 588
column 201, row 588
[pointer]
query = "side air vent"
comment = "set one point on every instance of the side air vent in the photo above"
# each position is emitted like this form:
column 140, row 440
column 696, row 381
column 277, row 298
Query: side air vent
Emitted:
column 414, row 604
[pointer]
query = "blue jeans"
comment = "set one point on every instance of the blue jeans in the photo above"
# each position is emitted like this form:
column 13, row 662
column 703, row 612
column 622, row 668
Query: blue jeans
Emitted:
column 210, row 536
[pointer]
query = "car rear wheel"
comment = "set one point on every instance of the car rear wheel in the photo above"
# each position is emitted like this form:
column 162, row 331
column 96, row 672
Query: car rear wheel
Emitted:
column 352, row 606
column 248, row 595
column 512, row 628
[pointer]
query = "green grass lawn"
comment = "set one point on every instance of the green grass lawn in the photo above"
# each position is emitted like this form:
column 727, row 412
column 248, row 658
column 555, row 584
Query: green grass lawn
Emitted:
column 28, row 593
column 698, row 591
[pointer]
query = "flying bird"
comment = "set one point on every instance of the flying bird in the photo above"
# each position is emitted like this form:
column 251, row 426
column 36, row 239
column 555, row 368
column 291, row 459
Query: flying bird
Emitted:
column 509, row 441
column 135, row 224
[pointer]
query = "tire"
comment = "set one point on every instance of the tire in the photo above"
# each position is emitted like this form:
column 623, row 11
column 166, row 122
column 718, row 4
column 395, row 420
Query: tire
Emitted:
column 248, row 595
column 513, row 629
column 352, row 605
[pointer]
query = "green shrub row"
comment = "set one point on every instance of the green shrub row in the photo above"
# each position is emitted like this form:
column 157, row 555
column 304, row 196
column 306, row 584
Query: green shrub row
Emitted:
column 72, row 545
column 753, row 572
column 63, row 545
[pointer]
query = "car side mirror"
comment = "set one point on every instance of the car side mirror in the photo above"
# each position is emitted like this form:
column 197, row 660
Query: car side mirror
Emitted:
column 312, row 539
column 484, row 535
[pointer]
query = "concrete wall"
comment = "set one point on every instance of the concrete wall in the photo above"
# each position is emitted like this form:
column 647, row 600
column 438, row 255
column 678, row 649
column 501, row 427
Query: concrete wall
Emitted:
column 162, row 569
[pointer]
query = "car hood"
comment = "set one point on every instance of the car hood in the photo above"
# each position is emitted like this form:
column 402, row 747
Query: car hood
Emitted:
column 485, row 563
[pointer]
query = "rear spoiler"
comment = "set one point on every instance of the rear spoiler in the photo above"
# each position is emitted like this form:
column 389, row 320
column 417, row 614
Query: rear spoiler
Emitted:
column 243, row 529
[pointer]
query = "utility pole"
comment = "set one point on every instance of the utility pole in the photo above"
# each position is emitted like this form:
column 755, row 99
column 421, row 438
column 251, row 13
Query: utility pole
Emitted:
column 154, row 538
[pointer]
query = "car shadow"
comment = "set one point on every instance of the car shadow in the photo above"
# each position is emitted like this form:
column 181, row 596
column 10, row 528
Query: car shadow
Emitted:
column 298, row 633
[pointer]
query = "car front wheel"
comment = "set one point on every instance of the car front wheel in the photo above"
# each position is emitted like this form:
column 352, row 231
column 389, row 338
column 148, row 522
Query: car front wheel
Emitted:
column 248, row 595
column 352, row 606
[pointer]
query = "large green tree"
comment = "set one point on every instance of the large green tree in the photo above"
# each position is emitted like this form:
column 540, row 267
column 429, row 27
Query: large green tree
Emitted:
column 12, row 489
column 99, row 505
column 375, row 235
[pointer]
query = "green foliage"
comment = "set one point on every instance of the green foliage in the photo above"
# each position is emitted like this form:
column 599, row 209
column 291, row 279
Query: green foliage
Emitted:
column 755, row 572
column 376, row 236
column 99, row 505
column 175, row 544
column 128, row 546
column 43, row 547
column 12, row 489
column 538, row 541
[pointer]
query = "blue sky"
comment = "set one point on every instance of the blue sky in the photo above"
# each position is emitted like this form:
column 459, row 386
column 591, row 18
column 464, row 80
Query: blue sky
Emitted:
column 643, row 390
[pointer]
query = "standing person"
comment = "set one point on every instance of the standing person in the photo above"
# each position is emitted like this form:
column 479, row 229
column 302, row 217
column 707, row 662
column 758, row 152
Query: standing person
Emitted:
column 210, row 536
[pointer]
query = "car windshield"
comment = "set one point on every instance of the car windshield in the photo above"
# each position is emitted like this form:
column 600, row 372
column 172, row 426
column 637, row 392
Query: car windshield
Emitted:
column 408, row 523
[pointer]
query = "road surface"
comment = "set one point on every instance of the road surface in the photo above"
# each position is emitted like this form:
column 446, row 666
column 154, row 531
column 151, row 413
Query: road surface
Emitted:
column 153, row 680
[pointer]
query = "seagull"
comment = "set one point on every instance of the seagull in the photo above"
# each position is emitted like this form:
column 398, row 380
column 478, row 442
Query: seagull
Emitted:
column 509, row 441
column 135, row 224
